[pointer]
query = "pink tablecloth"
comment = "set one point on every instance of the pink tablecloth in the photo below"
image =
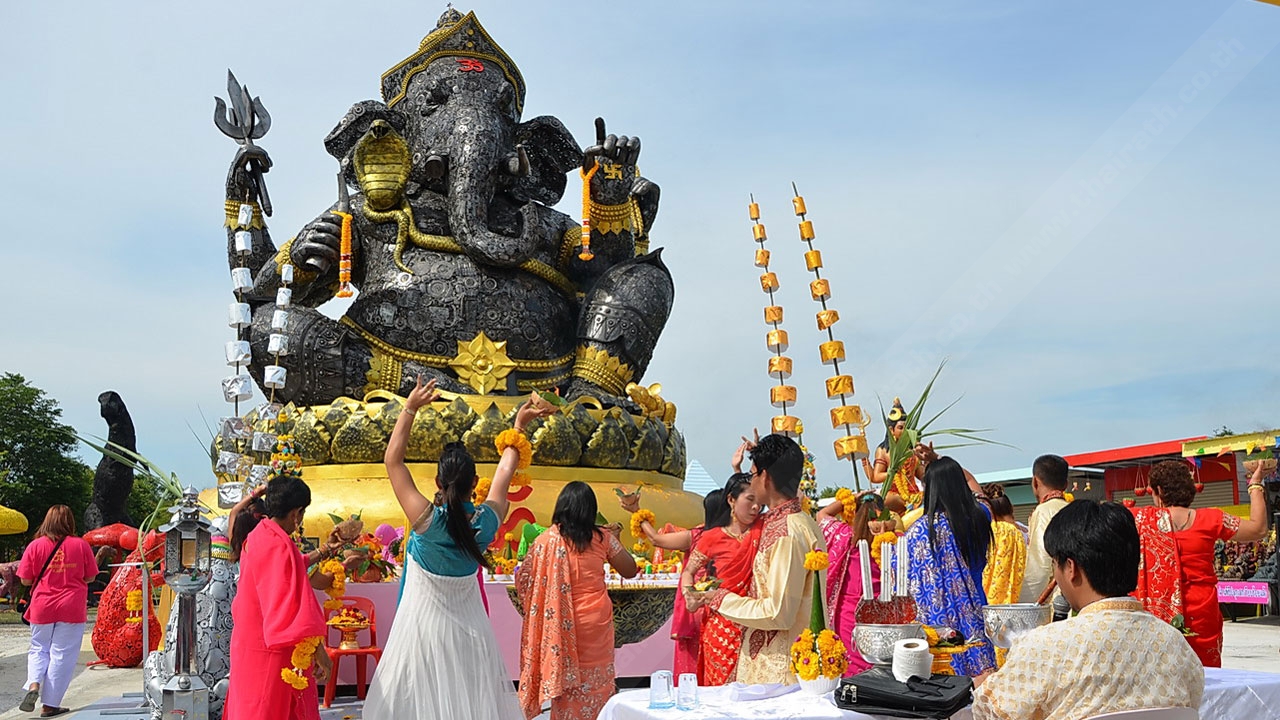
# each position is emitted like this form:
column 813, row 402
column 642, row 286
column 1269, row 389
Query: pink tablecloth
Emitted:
column 637, row 660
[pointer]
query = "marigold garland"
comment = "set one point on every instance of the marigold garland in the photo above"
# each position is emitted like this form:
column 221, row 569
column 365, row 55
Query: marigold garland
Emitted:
column 519, row 480
column 339, row 586
column 481, row 491
column 303, row 655
column 848, row 505
column 816, row 560
column 638, row 519
column 518, row 440
column 878, row 542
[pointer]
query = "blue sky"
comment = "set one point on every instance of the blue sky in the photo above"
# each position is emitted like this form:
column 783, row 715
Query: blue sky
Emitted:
column 932, row 141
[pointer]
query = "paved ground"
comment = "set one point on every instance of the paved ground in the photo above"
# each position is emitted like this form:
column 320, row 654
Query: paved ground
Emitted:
column 1251, row 644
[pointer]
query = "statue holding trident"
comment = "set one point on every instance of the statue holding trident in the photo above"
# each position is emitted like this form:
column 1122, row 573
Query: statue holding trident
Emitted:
column 464, row 273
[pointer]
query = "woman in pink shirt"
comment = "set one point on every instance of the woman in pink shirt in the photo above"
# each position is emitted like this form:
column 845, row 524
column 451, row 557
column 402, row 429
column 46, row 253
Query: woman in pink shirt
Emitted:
column 59, row 565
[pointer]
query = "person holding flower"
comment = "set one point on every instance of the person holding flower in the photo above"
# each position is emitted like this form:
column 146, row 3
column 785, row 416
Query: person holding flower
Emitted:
column 686, row 627
column 727, row 552
column 775, row 608
column 277, row 621
column 845, row 521
column 442, row 659
column 566, row 654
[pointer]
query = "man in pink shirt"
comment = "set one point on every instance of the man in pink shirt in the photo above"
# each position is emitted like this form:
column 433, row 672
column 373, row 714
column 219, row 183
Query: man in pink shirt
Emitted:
column 59, row 565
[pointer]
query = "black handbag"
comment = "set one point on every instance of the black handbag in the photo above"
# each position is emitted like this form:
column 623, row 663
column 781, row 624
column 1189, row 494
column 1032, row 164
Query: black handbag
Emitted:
column 876, row 692
column 31, row 591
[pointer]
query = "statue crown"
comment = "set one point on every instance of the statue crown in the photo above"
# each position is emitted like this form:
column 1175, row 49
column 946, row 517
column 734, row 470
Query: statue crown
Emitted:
column 456, row 35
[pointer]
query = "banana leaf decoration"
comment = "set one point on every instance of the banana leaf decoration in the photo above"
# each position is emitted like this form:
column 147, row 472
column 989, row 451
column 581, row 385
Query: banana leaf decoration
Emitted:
column 167, row 483
column 918, row 432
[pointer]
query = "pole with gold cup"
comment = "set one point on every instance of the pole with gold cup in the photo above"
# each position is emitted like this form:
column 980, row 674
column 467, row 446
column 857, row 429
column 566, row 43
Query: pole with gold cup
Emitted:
column 782, row 394
column 847, row 415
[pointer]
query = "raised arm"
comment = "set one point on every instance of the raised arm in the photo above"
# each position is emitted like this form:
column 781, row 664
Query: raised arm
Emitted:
column 411, row 500
column 510, row 460
column 1256, row 526
column 681, row 540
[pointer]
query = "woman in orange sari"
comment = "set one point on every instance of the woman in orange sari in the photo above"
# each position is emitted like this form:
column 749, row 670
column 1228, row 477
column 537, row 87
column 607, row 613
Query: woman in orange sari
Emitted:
column 727, row 553
column 566, row 654
column 1175, row 571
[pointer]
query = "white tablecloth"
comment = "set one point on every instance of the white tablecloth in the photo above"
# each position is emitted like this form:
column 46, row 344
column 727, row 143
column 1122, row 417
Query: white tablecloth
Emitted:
column 1228, row 695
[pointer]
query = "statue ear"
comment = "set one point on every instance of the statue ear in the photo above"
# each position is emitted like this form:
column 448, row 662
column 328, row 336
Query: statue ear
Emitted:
column 341, row 141
column 552, row 153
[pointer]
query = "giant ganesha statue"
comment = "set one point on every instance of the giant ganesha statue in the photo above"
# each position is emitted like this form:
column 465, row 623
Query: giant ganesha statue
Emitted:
column 465, row 274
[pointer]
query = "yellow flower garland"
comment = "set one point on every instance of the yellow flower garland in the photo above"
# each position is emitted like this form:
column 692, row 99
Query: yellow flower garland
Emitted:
column 303, row 655
column 816, row 560
column 481, row 490
column 878, row 542
column 518, row 440
column 848, row 505
column 638, row 519
column 339, row 587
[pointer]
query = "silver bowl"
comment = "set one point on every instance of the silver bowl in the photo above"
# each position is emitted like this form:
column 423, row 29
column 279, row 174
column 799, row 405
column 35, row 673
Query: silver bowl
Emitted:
column 875, row 642
column 1006, row 623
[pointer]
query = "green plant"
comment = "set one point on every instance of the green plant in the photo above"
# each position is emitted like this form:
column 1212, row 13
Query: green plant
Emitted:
column 904, row 446
column 168, row 489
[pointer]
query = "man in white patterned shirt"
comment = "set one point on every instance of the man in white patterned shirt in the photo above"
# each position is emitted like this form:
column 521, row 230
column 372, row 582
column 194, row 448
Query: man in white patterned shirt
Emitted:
column 1113, row 655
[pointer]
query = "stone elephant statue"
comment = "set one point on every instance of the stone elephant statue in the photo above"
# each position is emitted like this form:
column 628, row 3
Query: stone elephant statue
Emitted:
column 464, row 271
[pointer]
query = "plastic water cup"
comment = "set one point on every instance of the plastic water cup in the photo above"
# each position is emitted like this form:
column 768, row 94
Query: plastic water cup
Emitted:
column 661, row 694
column 687, row 692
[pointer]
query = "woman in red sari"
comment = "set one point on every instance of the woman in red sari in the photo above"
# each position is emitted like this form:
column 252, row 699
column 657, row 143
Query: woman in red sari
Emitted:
column 727, row 553
column 1175, row 573
column 686, row 627
column 275, row 612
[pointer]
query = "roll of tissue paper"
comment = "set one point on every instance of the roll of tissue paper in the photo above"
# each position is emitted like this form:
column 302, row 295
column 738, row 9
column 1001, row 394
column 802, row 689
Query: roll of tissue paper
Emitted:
column 280, row 320
column 911, row 658
column 286, row 274
column 283, row 297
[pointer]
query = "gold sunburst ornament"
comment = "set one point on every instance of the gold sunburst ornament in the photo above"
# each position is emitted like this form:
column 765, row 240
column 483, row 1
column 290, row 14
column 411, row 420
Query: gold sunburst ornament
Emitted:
column 482, row 363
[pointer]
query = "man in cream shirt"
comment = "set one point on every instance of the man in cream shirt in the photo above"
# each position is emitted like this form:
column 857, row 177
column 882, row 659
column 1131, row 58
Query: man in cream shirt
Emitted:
column 1048, row 482
column 1113, row 655
column 778, row 607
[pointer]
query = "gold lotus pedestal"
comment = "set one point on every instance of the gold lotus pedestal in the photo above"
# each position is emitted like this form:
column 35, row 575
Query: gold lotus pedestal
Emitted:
column 349, row 640
column 342, row 445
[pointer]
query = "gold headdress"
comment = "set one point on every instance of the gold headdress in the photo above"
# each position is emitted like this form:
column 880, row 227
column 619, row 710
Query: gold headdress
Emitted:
column 455, row 36
column 897, row 414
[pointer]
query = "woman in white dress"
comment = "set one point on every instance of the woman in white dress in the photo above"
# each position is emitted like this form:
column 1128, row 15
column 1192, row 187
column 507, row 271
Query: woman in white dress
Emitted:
column 442, row 660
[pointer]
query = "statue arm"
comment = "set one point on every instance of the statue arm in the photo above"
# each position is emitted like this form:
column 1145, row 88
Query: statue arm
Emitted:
column 313, row 253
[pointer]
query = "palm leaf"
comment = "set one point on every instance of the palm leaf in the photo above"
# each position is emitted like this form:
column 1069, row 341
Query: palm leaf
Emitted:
column 167, row 484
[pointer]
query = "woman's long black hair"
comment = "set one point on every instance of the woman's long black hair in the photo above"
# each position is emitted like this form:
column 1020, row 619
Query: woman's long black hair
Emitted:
column 456, row 476
column 575, row 514
column 733, row 489
column 947, row 491
column 715, row 513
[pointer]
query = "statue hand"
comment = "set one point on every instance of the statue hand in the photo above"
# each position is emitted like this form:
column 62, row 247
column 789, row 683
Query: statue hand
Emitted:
column 616, row 155
column 240, row 180
column 316, row 247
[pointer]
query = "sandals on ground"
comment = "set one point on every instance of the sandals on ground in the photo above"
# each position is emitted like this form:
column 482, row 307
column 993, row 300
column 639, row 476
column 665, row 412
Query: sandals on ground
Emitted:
column 54, row 712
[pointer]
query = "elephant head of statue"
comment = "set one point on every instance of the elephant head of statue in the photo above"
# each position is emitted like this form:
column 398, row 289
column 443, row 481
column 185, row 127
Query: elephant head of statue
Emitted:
column 450, row 124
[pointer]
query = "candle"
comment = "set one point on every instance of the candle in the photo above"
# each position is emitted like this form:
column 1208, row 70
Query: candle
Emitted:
column 885, row 577
column 864, row 563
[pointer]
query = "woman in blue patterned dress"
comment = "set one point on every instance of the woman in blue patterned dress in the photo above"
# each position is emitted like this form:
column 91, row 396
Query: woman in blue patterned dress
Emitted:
column 948, row 552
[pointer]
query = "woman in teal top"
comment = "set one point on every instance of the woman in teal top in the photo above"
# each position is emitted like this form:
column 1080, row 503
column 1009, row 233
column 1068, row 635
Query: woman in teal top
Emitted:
column 441, row 658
